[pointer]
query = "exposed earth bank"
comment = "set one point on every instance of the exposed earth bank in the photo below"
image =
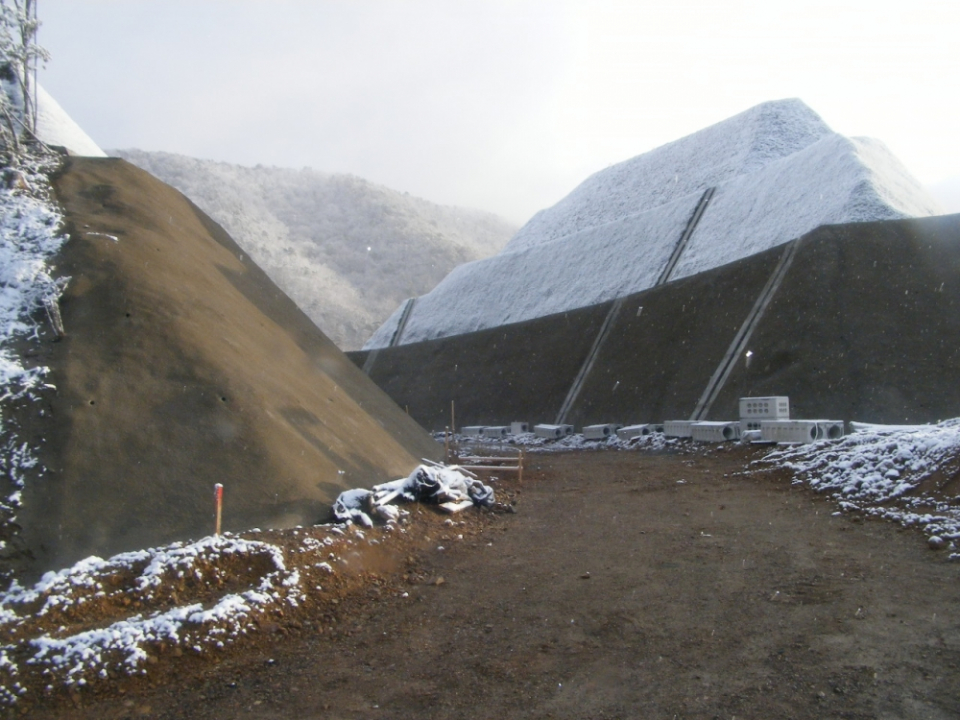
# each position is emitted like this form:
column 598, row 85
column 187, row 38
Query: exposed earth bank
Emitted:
column 626, row 585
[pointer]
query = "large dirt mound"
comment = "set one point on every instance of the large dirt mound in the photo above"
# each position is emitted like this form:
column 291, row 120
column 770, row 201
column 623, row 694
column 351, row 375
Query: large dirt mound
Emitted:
column 183, row 365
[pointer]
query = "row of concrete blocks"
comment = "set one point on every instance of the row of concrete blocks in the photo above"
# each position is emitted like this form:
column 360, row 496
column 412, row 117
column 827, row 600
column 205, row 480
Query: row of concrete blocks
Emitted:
column 495, row 431
column 780, row 431
column 783, row 431
column 550, row 432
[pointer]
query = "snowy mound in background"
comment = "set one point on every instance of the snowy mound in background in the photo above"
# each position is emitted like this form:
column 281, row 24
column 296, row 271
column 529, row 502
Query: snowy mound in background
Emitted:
column 55, row 127
column 344, row 249
column 835, row 180
column 736, row 146
column 778, row 172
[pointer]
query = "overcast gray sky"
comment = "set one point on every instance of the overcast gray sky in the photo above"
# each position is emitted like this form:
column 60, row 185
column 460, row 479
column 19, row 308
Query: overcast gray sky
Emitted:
column 499, row 105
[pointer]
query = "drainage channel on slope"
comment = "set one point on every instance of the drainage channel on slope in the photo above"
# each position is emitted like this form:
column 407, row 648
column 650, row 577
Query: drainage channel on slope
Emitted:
column 370, row 361
column 587, row 366
column 665, row 274
column 402, row 325
column 740, row 340
column 394, row 339
column 685, row 237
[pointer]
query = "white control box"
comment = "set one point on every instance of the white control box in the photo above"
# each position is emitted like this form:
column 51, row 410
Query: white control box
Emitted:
column 765, row 408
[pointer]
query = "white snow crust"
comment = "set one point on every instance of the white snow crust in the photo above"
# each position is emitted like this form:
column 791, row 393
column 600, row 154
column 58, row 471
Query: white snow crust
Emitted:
column 778, row 170
column 591, row 263
column 56, row 127
column 123, row 646
column 735, row 146
column 29, row 239
column 878, row 470
column 834, row 180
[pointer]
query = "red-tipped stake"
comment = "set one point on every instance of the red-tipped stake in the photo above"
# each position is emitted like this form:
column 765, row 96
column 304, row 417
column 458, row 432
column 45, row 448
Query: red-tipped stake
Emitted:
column 218, row 494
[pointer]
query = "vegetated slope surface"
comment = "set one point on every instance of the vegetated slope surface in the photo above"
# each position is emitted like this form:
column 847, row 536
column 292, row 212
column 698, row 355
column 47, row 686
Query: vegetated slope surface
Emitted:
column 346, row 250
column 628, row 585
column 184, row 365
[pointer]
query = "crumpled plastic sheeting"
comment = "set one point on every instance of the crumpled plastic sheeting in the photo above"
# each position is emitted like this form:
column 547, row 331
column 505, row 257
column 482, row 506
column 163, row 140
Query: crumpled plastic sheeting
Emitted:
column 438, row 485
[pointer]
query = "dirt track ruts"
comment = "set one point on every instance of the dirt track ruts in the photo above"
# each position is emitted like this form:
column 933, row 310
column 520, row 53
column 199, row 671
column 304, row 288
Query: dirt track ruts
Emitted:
column 627, row 586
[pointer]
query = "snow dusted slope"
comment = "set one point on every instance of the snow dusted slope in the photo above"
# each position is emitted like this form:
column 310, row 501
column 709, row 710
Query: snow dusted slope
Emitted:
column 344, row 249
column 476, row 292
column 56, row 127
column 834, row 180
column 778, row 172
column 736, row 146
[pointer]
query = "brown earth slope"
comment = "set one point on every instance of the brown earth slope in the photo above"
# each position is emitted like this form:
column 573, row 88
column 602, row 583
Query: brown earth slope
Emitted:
column 183, row 366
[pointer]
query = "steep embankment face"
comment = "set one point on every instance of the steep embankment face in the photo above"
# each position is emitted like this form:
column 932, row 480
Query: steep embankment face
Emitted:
column 732, row 190
column 183, row 365
column 852, row 322
column 346, row 250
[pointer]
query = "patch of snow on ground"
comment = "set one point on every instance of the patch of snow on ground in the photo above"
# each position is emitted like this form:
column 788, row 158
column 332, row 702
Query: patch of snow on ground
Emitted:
column 124, row 646
column 654, row 442
column 885, row 472
column 29, row 238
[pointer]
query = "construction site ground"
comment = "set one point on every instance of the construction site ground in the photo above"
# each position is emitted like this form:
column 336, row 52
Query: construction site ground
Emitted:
column 625, row 585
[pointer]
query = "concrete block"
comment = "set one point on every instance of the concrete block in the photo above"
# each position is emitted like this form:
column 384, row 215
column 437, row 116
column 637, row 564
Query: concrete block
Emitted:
column 632, row 431
column 495, row 431
column 714, row 431
column 552, row 431
column 831, row 429
column 800, row 431
column 678, row 428
column 749, row 426
column 600, row 432
column 517, row 428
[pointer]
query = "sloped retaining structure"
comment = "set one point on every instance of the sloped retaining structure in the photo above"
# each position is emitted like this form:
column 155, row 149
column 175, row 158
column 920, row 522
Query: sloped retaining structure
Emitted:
column 744, row 185
column 183, row 365
column 864, row 324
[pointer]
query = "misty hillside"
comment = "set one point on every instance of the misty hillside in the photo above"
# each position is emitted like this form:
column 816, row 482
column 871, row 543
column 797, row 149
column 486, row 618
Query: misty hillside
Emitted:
column 345, row 250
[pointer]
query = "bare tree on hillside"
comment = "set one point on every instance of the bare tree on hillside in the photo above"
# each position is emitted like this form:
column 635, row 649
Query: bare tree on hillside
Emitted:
column 19, row 55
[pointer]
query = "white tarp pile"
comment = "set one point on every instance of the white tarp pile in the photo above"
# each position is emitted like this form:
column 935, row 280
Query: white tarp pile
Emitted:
column 450, row 487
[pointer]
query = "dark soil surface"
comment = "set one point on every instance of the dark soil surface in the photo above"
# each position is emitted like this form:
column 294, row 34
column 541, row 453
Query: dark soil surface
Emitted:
column 183, row 365
column 627, row 585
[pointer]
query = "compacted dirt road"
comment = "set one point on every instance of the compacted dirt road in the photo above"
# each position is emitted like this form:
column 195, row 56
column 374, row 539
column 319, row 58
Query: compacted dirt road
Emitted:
column 627, row 585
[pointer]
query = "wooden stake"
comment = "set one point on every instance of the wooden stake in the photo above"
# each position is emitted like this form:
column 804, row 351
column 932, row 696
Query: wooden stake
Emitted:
column 446, row 444
column 453, row 422
column 218, row 494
